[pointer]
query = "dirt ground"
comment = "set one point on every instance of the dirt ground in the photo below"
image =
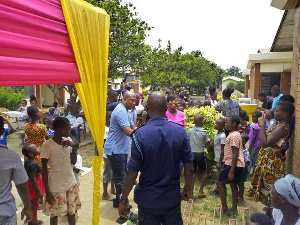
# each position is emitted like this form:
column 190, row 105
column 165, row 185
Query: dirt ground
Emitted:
column 109, row 215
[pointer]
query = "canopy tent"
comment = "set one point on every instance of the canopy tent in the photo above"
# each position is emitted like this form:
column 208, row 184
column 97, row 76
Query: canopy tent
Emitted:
column 51, row 42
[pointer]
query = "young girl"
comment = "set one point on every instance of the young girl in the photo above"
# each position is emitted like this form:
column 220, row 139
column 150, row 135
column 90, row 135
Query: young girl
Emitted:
column 4, row 132
column 254, row 143
column 62, row 194
column 270, row 164
column 35, row 182
column 243, row 124
column 36, row 133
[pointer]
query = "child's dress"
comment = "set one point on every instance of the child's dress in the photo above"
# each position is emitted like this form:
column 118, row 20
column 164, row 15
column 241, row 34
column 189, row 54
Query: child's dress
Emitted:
column 36, row 134
column 61, row 180
column 32, row 166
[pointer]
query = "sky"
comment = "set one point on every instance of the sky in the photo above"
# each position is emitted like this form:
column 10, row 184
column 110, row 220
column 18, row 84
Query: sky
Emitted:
column 226, row 31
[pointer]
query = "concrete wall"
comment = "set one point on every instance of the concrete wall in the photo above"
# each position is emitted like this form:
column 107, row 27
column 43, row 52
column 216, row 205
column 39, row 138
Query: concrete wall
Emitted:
column 274, row 67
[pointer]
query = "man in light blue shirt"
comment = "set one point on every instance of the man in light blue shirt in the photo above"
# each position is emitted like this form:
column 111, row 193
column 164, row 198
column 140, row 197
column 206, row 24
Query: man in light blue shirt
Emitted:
column 117, row 141
column 275, row 91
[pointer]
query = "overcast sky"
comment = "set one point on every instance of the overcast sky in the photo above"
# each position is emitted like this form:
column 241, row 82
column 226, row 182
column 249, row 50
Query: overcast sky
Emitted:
column 227, row 31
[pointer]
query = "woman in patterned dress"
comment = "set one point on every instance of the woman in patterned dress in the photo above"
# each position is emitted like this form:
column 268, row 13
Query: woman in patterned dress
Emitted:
column 36, row 133
column 270, row 165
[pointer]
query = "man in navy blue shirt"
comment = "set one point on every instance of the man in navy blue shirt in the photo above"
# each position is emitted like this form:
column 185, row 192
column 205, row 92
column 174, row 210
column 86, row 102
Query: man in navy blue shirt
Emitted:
column 112, row 100
column 117, row 142
column 157, row 150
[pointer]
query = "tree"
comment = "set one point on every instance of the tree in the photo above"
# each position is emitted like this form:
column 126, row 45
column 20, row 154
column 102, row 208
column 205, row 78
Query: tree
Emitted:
column 235, row 72
column 126, row 39
column 10, row 98
column 126, row 44
column 172, row 68
column 239, row 86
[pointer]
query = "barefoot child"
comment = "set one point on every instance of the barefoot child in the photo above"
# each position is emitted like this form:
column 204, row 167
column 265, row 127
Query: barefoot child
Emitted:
column 35, row 182
column 232, row 170
column 246, row 154
column 62, row 194
column 107, row 172
column 198, row 139
column 219, row 143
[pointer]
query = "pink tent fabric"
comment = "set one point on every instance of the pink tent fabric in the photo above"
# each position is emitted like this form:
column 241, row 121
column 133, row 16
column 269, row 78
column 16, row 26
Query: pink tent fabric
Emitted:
column 34, row 44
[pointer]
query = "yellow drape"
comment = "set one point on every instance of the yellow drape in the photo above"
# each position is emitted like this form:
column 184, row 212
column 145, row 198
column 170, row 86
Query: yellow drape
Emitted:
column 88, row 28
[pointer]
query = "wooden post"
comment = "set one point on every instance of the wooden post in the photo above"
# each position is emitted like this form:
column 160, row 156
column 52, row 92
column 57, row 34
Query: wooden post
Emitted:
column 200, row 219
column 38, row 94
column 243, row 214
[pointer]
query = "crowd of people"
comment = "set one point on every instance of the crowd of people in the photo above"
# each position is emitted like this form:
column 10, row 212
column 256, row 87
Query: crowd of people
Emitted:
column 160, row 151
column 149, row 142
column 49, row 179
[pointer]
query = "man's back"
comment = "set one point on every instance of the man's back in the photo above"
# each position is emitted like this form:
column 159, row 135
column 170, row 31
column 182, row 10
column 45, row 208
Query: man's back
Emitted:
column 11, row 169
column 158, row 148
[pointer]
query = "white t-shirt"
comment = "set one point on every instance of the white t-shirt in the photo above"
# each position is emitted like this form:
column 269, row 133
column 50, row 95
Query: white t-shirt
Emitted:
column 61, row 176
column 78, row 165
column 277, row 216
column 77, row 121
column 105, row 136
column 220, row 139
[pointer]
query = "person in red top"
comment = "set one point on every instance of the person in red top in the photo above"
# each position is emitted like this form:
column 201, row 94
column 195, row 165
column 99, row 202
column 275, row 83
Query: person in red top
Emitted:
column 232, row 170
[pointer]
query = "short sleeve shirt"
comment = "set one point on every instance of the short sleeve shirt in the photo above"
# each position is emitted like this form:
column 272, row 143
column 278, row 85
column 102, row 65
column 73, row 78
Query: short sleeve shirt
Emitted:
column 246, row 155
column 275, row 101
column 117, row 142
column 198, row 138
column 157, row 150
column 32, row 166
column 219, row 140
column 178, row 118
column 234, row 140
column 229, row 107
column 11, row 169
column 61, row 176
column 3, row 137
column 256, row 127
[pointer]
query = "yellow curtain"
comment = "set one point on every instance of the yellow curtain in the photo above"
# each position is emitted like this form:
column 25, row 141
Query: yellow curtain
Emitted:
column 88, row 27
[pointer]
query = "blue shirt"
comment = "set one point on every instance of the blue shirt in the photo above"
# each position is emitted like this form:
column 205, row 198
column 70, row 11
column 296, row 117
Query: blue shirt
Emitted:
column 117, row 142
column 3, row 137
column 275, row 101
column 157, row 150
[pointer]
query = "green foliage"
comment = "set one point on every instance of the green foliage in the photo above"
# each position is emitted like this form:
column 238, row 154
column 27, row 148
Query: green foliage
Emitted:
column 233, row 96
column 210, row 116
column 239, row 86
column 173, row 68
column 235, row 72
column 126, row 39
column 11, row 99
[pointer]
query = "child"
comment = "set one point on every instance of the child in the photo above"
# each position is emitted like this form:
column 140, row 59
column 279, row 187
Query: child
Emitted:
column 246, row 154
column 107, row 172
column 62, row 194
column 4, row 132
column 35, row 182
column 198, row 139
column 36, row 133
column 78, row 165
column 243, row 123
column 23, row 111
column 219, row 143
column 57, row 110
column 270, row 121
column 232, row 170
column 254, row 143
column 259, row 219
column 50, row 115
column 50, row 127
